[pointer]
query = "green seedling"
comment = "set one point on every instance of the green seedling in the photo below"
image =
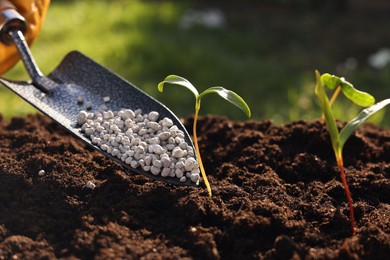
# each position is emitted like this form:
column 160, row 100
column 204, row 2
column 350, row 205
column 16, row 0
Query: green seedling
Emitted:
column 226, row 94
column 338, row 139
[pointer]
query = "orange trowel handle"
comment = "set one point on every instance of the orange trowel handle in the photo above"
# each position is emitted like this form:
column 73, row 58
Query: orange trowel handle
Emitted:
column 26, row 16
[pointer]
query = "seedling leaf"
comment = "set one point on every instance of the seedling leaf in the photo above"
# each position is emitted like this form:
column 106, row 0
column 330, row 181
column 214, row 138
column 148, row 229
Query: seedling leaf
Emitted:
column 325, row 106
column 330, row 81
column 356, row 96
column 360, row 119
column 177, row 80
column 230, row 96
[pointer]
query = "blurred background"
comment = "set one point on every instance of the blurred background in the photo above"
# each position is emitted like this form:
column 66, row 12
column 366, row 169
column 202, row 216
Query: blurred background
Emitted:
column 266, row 51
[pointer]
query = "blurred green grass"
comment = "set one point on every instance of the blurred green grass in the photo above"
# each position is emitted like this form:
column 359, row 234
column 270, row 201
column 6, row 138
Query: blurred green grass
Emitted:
column 267, row 53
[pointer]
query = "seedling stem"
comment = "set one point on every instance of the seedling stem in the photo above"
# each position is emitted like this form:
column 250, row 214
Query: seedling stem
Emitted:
column 334, row 96
column 340, row 164
column 195, row 137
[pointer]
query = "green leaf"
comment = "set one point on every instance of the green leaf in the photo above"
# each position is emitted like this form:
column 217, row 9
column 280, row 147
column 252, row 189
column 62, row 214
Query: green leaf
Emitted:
column 330, row 81
column 230, row 96
column 177, row 80
column 329, row 117
column 360, row 119
column 356, row 96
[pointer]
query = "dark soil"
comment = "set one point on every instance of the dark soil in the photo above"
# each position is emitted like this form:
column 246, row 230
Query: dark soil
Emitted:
column 277, row 194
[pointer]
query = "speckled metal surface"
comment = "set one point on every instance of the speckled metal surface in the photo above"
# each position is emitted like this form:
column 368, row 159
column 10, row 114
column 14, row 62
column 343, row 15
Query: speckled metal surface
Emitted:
column 78, row 75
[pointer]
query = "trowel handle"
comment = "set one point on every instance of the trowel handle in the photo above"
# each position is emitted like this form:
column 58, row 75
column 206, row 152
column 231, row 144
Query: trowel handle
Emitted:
column 10, row 19
column 12, row 28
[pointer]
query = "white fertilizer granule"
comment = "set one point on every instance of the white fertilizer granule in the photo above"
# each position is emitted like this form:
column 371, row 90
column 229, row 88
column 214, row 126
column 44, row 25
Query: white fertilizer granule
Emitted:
column 90, row 185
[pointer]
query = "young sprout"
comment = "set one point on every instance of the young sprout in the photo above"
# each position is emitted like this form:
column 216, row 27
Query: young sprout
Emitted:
column 226, row 94
column 338, row 139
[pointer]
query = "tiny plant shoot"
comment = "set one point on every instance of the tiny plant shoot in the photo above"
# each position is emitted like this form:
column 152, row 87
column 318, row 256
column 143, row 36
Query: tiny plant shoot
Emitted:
column 338, row 139
column 226, row 94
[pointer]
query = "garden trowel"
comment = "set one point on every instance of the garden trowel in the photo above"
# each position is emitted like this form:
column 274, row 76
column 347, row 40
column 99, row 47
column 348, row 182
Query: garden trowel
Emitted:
column 58, row 94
